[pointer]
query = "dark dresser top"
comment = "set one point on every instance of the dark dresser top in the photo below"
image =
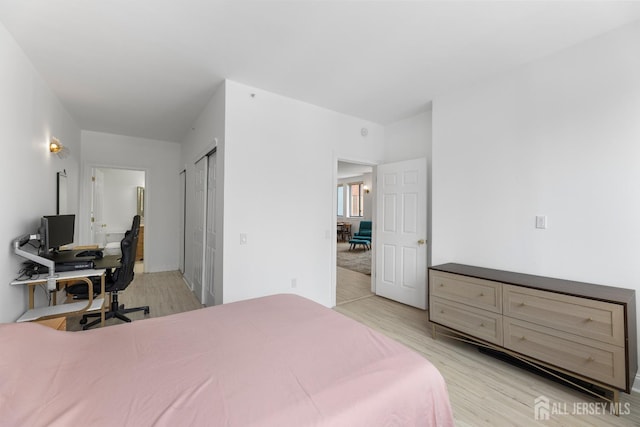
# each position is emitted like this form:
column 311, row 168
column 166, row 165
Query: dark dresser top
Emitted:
column 568, row 287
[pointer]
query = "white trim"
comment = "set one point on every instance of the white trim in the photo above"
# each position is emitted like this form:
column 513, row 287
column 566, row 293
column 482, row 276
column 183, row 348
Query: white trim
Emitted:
column 636, row 385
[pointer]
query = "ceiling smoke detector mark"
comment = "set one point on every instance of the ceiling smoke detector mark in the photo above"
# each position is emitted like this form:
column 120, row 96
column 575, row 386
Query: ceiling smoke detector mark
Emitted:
column 364, row 131
column 253, row 95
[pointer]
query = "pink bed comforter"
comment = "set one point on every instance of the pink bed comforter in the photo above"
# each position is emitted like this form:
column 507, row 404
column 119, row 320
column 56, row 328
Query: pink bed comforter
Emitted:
column 274, row 361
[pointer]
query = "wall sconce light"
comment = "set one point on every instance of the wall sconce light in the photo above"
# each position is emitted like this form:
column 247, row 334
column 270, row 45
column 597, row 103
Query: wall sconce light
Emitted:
column 366, row 189
column 56, row 147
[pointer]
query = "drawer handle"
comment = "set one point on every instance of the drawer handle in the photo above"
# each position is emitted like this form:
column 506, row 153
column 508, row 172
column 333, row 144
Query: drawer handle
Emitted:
column 481, row 294
column 521, row 304
column 442, row 285
column 590, row 319
column 441, row 311
column 523, row 338
column 590, row 359
column 482, row 324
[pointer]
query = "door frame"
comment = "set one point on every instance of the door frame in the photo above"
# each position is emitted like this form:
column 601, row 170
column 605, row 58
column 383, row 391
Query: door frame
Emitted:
column 84, row 210
column 334, row 234
column 182, row 176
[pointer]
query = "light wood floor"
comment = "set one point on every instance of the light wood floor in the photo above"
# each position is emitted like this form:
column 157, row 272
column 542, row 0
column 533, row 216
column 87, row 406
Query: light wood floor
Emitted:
column 165, row 293
column 483, row 390
column 351, row 286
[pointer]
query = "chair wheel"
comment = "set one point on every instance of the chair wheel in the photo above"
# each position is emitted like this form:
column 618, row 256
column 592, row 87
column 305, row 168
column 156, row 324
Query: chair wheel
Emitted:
column 83, row 320
column 146, row 311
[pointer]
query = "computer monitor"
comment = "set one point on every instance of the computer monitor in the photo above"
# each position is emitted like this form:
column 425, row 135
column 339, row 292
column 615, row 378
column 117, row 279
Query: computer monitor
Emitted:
column 56, row 231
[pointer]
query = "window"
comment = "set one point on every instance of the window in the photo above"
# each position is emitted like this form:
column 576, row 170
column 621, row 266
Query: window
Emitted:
column 356, row 207
column 340, row 200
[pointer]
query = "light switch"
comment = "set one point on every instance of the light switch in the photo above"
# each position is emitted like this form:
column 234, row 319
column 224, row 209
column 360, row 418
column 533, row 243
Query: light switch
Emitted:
column 541, row 221
column 243, row 238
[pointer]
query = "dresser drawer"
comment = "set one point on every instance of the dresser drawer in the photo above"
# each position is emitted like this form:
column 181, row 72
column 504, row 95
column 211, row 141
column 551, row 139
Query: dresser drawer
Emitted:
column 588, row 318
column 467, row 290
column 478, row 323
column 590, row 358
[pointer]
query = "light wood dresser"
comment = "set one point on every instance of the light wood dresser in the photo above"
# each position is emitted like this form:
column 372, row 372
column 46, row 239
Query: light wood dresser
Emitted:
column 582, row 330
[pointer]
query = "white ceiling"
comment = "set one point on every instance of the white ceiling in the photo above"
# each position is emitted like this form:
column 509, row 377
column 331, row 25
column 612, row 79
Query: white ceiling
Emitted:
column 147, row 67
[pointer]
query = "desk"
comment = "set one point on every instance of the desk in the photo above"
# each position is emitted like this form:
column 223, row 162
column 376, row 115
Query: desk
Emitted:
column 106, row 263
column 53, row 311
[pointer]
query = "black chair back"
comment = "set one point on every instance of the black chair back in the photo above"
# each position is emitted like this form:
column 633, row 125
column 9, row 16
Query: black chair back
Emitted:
column 123, row 275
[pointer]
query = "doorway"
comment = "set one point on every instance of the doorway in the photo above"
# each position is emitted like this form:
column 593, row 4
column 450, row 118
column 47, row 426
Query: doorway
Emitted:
column 354, row 205
column 117, row 195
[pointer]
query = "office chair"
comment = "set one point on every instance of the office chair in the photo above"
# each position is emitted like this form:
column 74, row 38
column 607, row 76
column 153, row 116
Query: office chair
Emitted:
column 115, row 282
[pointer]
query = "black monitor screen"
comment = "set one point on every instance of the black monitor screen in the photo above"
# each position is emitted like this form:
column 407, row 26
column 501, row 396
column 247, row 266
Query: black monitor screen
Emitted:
column 58, row 231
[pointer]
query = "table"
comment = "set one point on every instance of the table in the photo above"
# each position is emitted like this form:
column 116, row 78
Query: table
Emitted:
column 344, row 230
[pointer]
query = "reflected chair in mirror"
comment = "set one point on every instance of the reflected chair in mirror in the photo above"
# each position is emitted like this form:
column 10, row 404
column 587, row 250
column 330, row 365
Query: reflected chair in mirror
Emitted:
column 115, row 282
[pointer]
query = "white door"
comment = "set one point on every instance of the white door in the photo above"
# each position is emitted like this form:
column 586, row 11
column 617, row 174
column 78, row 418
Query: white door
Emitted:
column 97, row 202
column 209, row 265
column 400, row 232
column 199, row 224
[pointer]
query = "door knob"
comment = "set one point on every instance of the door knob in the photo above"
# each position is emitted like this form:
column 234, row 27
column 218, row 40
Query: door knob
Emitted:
column 421, row 242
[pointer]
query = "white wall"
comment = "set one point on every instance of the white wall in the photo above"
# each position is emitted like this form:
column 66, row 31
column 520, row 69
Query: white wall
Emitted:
column 411, row 138
column 290, row 223
column 161, row 162
column 30, row 114
column 559, row 137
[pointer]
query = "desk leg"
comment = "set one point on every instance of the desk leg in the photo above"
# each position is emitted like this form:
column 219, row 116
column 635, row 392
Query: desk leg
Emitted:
column 103, row 302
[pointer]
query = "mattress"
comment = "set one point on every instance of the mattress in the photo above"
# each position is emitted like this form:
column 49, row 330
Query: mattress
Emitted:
column 279, row 361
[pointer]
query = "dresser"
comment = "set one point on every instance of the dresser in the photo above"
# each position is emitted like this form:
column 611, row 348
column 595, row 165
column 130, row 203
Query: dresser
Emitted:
column 583, row 330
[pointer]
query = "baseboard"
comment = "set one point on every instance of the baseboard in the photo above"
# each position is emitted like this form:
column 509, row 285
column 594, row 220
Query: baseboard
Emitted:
column 187, row 282
column 636, row 385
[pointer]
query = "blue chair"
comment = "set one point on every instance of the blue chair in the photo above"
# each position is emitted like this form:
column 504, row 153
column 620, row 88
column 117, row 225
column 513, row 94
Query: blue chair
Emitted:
column 364, row 231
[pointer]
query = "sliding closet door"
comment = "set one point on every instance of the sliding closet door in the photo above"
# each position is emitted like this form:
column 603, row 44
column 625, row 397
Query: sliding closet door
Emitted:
column 199, row 226
column 210, row 242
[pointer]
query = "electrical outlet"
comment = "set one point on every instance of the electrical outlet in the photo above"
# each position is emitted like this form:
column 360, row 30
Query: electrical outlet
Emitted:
column 541, row 221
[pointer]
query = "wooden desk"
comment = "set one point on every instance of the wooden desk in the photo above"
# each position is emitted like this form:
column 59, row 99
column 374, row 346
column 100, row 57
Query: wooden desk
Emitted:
column 54, row 311
column 59, row 323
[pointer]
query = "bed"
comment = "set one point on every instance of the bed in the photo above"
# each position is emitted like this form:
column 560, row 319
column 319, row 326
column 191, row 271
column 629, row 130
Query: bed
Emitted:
column 279, row 361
